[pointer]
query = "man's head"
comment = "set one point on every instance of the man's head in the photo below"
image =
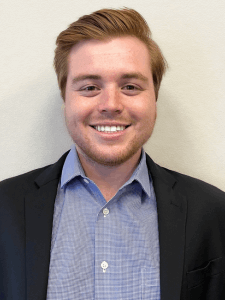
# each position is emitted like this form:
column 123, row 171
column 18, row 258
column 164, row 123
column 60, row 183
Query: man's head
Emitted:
column 109, row 80
column 102, row 25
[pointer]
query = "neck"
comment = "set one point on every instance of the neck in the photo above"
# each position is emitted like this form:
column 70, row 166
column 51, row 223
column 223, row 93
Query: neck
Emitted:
column 109, row 179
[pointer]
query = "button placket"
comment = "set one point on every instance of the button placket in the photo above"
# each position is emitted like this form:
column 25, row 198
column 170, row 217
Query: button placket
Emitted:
column 104, row 264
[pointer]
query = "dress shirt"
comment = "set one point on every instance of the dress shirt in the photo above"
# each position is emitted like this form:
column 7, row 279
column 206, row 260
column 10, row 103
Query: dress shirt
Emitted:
column 104, row 250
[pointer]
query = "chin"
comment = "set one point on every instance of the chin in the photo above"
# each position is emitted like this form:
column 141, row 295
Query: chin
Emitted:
column 115, row 158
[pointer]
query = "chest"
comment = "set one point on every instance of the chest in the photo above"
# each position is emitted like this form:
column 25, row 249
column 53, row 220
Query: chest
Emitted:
column 110, row 250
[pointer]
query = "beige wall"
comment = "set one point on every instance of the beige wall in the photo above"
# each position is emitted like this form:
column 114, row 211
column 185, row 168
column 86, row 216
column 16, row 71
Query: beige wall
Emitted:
column 189, row 136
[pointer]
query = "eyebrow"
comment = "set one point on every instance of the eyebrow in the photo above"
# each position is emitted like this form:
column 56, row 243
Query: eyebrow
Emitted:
column 137, row 75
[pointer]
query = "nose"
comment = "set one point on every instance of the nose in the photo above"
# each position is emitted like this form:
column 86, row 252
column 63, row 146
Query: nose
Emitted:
column 110, row 101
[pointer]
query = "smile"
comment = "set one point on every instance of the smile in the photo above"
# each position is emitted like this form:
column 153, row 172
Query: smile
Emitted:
column 109, row 129
column 110, row 133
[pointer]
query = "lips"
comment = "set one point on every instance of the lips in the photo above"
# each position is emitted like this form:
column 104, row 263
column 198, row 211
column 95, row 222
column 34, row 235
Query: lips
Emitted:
column 110, row 125
column 112, row 135
column 110, row 129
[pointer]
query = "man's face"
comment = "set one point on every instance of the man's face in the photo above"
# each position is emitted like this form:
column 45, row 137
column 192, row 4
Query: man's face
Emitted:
column 110, row 83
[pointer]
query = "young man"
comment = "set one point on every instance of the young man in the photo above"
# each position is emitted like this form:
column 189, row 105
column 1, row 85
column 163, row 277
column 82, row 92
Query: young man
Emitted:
column 105, row 221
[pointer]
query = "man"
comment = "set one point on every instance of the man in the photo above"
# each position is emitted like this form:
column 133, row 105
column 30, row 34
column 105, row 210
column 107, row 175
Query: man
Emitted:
column 105, row 221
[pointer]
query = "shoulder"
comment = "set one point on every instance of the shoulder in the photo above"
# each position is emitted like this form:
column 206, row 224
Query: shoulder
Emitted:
column 21, row 183
column 198, row 192
column 194, row 184
column 185, row 184
column 29, row 181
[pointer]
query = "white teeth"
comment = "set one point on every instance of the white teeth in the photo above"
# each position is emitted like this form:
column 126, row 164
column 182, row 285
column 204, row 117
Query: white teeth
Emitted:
column 109, row 128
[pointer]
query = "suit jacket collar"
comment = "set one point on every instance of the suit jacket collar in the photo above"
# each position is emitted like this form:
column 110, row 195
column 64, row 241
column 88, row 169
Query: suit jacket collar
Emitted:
column 39, row 209
column 52, row 172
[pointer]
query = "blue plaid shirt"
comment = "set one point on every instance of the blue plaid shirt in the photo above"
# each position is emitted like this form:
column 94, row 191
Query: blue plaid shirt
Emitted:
column 104, row 250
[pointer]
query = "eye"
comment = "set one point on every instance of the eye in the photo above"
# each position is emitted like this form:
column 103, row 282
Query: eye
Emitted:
column 131, row 87
column 131, row 90
column 89, row 91
column 90, row 88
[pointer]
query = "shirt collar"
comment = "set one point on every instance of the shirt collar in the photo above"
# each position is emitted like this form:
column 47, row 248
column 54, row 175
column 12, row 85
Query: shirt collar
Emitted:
column 72, row 168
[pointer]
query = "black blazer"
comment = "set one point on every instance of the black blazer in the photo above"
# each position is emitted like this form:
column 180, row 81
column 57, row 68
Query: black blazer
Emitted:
column 191, row 219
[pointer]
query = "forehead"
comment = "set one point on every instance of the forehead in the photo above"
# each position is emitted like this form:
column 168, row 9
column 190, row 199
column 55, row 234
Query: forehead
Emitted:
column 115, row 53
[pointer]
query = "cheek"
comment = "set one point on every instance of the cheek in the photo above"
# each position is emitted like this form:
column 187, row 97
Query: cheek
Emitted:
column 77, row 112
column 143, row 111
column 70, row 114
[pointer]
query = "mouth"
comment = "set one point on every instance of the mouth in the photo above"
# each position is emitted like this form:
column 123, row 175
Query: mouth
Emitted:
column 111, row 136
column 110, row 129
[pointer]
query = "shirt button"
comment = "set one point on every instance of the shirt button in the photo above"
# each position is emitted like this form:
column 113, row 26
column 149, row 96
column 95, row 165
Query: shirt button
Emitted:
column 85, row 180
column 104, row 266
column 105, row 212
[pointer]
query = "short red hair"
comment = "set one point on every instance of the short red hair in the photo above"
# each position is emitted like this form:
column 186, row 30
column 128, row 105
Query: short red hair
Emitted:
column 102, row 25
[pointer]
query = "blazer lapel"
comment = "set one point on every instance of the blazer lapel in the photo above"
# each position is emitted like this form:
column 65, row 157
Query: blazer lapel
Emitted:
column 39, row 209
column 172, row 210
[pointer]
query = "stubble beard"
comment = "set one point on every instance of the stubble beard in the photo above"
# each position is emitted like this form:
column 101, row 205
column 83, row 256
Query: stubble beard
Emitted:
column 92, row 154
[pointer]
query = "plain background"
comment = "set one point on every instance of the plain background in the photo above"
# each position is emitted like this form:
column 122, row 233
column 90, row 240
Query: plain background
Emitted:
column 189, row 135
